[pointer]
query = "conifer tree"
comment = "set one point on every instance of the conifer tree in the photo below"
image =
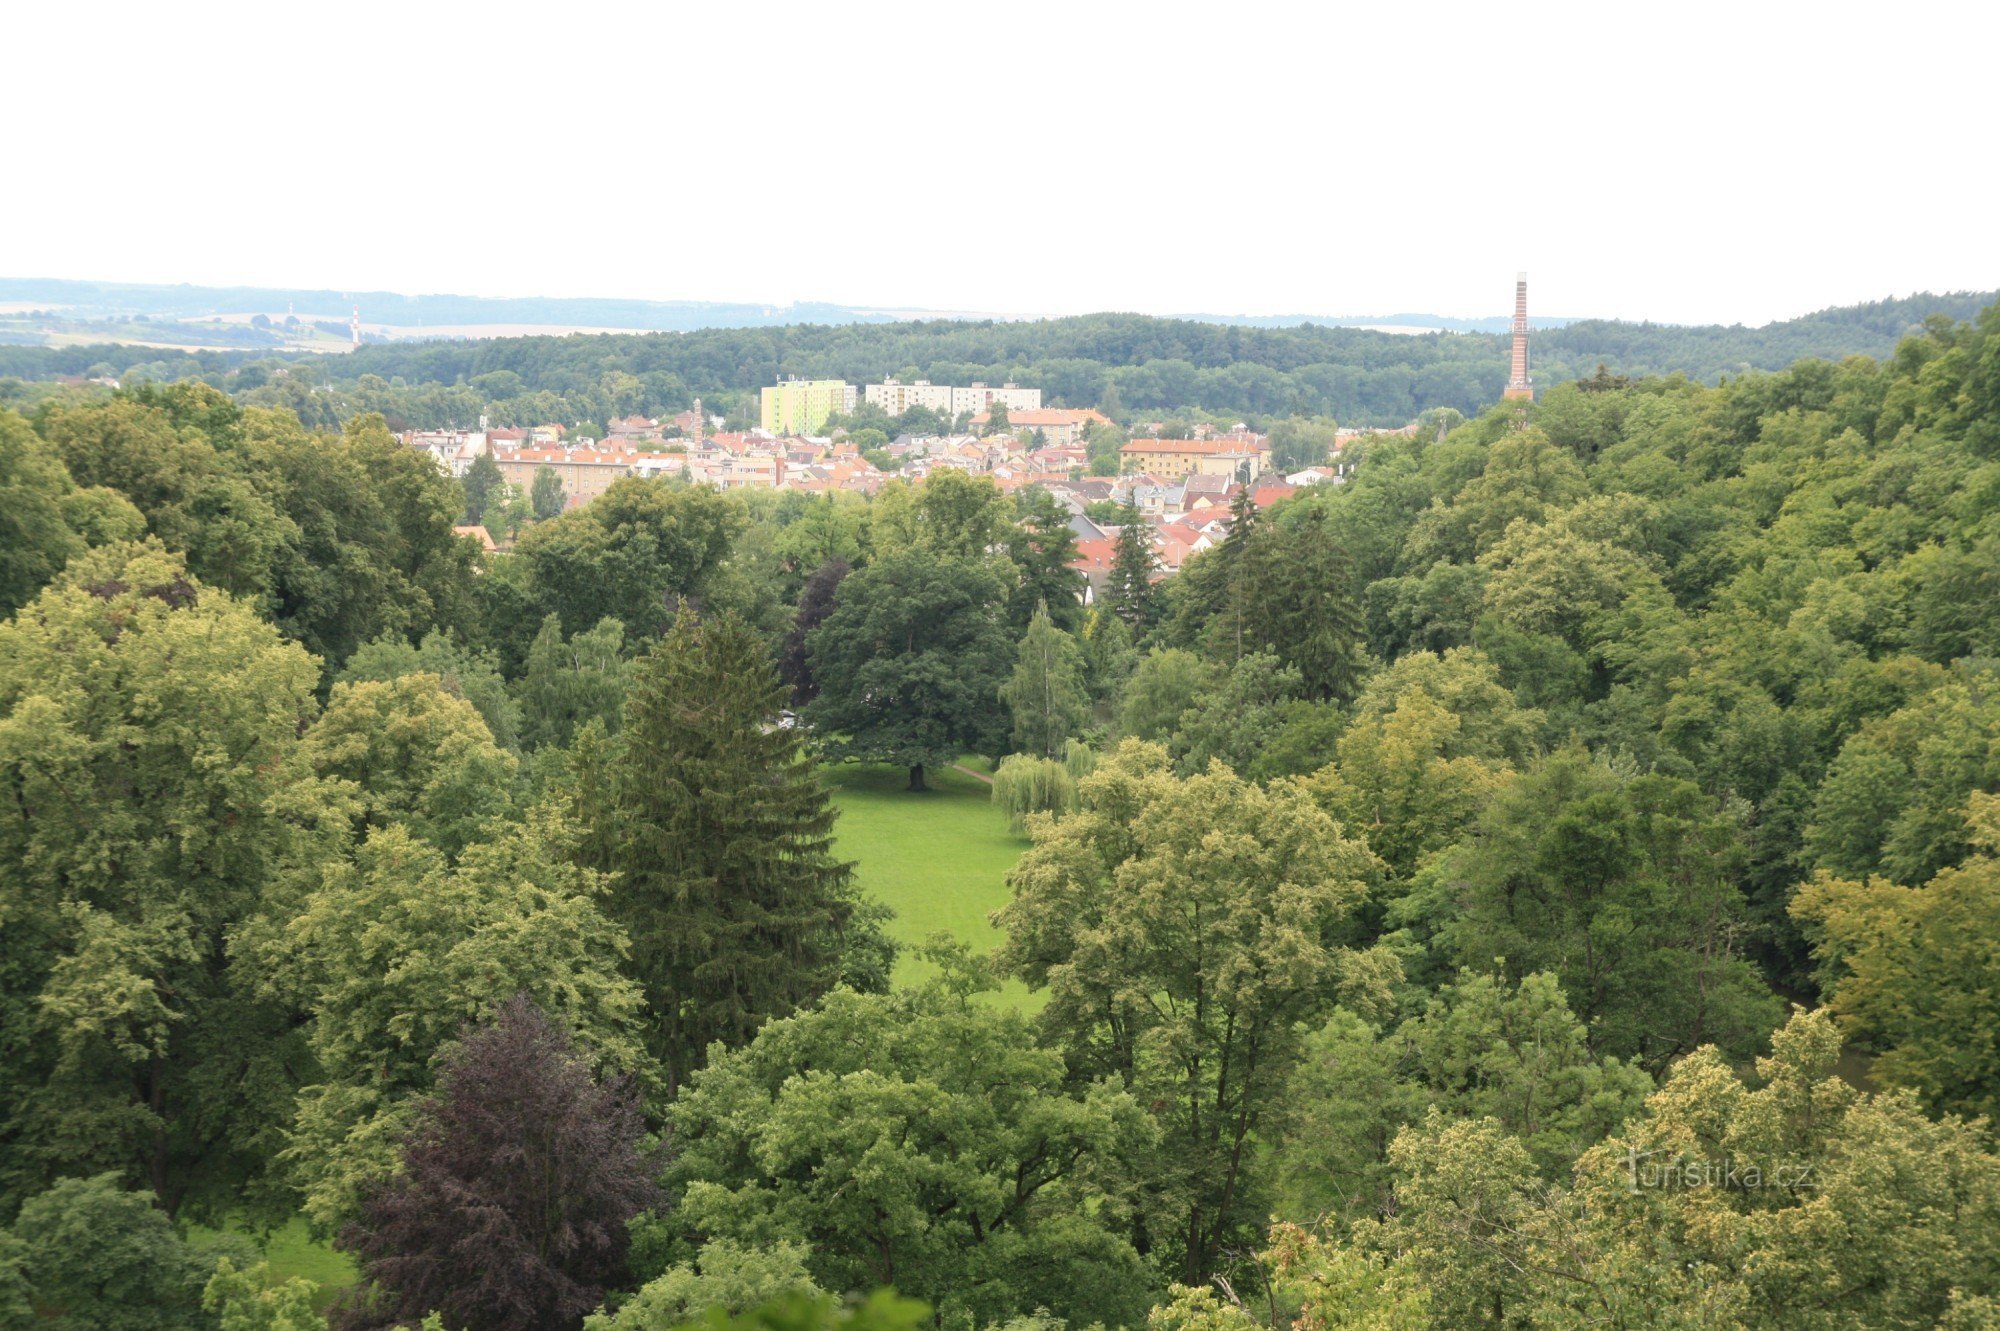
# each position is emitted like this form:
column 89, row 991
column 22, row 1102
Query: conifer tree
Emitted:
column 722, row 840
column 1299, row 600
column 1131, row 595
column 1214, row 589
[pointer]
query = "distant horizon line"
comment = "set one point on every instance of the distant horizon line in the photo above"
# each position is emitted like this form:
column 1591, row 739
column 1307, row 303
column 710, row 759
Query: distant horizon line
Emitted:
column 19, row 290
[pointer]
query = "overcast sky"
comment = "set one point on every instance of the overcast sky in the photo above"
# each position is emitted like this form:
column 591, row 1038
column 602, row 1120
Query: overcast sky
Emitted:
column 1686, row 162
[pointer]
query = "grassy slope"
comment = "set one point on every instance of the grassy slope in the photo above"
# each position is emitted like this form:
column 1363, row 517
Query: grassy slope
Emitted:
column 939, row 858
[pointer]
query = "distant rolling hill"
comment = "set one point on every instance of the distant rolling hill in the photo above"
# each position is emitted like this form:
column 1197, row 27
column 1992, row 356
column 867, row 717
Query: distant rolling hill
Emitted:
column 1142, row 363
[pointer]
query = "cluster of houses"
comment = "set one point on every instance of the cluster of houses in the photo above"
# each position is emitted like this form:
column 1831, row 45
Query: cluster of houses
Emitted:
column 1181, row 488
column 1182, row 517
column 689, row 445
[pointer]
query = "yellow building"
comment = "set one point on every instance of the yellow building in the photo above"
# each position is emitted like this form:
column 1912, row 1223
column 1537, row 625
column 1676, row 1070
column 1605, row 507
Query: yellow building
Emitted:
column 801, row 406
column 585, row 473
column 1170, row 459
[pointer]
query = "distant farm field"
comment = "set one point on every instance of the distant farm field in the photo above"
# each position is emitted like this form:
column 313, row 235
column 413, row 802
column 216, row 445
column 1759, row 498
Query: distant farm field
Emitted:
column 938, row 858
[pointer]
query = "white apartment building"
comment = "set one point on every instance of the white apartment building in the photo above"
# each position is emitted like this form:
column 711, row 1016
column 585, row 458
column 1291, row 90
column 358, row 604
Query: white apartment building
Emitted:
column 895, row 397
column 452, row 450
column 980, row 398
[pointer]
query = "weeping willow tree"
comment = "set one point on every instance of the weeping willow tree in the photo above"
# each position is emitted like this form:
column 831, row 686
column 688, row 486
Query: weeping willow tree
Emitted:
column 1025, row 784
column 1079, row 759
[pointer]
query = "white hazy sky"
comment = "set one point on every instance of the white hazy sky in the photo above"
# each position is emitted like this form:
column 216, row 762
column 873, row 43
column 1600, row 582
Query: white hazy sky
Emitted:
column 1687, row 162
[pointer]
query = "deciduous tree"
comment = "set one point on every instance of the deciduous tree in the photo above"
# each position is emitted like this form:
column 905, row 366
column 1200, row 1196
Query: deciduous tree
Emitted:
column 392, row 953
column 910, row 663
column 919, row 1139
column 146, row 722
column 518, row 1180
column 1912, row 970
column 1046, row 693
column 1184, row 929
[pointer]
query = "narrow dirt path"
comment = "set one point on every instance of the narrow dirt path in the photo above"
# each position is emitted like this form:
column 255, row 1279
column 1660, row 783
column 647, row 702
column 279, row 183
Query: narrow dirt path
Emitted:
column 956, row 767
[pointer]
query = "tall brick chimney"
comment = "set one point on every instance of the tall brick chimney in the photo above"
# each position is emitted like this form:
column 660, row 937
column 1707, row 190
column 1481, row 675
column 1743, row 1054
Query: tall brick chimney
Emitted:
column 1518, row 384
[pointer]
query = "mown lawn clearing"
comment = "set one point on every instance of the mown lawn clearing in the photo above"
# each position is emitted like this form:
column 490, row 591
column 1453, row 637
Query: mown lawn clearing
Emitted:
column 938, row 858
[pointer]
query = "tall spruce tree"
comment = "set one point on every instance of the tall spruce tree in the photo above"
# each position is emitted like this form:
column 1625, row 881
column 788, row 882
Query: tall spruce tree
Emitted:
column 1213, row 591
column 722, row 839
column 1299, row 601
column 1130, row 594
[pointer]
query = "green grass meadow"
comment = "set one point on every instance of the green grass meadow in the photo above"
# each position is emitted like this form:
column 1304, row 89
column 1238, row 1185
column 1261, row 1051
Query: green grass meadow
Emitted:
column 938, row 858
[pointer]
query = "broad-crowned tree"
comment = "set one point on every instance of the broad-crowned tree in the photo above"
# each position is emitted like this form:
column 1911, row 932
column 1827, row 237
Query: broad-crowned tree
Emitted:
column 410, row 754
column 570, row 683
column 1433, row 738
column 724, row 1276
column 1913, row 970
column 1186, row 930
column 910, row 663
column 175, row 467
column 1237, row 719
column 629, row 554
column 374, row 551
column 467, row 671
column 44, row 519
column 396, row 950
column 1712, row 1207
column 919, row 1139
column 1481, row 1047
column 90, row 1255
column 146, row 723
column 1625, row 887
column 1163, row 686
column 1893, row 801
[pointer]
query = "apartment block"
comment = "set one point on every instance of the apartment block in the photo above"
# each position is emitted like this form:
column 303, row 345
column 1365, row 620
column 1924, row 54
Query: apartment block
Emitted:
column 801, row 406
column 950, row 402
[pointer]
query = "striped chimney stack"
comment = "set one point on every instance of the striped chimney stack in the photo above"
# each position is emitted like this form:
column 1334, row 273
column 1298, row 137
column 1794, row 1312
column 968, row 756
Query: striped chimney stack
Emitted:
column 1517, row 383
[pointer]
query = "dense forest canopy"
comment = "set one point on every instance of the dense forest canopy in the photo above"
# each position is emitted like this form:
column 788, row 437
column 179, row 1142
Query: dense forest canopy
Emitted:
column 1125, row 362
column 1443, row 904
